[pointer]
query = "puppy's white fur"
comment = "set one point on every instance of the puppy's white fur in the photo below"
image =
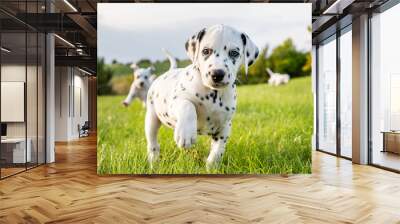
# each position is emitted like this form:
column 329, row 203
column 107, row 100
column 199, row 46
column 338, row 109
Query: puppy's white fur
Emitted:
column 277, row 79
column 142, row 80
column 191, row 100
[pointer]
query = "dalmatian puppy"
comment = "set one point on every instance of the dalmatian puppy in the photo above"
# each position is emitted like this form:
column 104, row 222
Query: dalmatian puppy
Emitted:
column 142, row 80
column 200, row 98
column 277, row 79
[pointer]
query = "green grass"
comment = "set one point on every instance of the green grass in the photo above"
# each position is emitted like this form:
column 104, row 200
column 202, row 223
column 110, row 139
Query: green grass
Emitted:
column 271, row 134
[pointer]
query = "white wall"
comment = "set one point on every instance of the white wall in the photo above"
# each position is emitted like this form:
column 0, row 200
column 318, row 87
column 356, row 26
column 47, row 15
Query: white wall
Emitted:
column 71, row 94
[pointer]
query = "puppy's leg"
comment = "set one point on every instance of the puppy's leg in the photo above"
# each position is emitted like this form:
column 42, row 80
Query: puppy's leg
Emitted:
column 218, row 143
column 131, row 95
column 186, row 126
column 152, row 124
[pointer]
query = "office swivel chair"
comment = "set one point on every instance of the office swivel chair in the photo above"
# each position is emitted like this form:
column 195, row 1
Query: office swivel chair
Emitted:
column 84, row 130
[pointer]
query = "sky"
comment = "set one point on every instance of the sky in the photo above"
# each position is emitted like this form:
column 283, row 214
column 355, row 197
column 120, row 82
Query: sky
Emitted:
column 130, row 32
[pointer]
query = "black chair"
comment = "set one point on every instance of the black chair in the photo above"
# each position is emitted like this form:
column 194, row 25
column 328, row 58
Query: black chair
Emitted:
column 84, row 130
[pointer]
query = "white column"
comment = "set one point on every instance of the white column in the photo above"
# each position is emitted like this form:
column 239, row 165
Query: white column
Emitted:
column 314, row 92
column 360, row 90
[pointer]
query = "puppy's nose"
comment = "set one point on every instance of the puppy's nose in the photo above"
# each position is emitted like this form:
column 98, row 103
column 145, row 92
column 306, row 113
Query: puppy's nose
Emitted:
column 217, row 75
column 141, row 84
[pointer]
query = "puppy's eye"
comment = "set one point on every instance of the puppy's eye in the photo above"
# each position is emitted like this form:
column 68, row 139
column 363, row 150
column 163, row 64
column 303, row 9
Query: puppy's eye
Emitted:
column 233, row 54
column 206, row 51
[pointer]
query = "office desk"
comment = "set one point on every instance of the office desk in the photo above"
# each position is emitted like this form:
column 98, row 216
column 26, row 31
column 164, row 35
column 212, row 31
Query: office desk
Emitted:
column 13, row 150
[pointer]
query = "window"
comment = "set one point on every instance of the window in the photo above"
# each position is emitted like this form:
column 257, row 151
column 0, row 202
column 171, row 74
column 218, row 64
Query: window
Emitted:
column 385, row 89
column 346, row 93
column 327, row 96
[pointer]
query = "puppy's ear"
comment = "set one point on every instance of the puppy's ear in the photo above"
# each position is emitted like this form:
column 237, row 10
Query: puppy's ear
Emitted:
column 151, row 69
column 193, row 44
column 134, row 66
column 250, row 51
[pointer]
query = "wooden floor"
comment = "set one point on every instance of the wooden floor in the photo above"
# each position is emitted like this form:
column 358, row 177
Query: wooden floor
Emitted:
column 69, row 191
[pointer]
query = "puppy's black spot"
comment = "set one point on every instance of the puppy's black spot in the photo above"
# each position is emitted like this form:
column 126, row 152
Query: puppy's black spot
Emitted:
column 229, row 76
column 250, row 62
column 221, row 139
column 208, row 118
column 200, row 35
column 165, row 101
column 154, row 149
column 187, row 45
column 215, row 138
column 214, row 96
column 220, row 104
column 193, row 36
column 233, row 108
column 247, row 54
column 193, row 47
column 207, row 97
column 151, row 102
column 217, row 55
column 169, row 124
column 209, row 65
column 224, row 47
column 197, row 94
column 201, row 98
column 175, row 97
column 243, row 39
column 227, row 108
column 256, row 54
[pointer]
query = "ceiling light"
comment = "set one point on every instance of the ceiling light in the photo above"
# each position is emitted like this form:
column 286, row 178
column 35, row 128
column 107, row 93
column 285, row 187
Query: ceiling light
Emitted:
column 86, row 72
column 5, row 50
column 70, row 5
column 338, row 6
column 65, row 41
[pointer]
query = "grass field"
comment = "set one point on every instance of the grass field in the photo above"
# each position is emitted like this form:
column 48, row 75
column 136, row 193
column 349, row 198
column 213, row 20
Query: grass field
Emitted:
column 271, row 134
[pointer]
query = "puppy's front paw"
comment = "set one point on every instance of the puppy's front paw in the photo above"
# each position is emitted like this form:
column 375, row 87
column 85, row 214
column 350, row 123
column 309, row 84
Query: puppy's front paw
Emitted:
column 185, row 135
column 153, row 153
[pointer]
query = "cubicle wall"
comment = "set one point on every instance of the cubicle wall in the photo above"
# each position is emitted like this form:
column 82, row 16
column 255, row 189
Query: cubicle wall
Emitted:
column 22, row 77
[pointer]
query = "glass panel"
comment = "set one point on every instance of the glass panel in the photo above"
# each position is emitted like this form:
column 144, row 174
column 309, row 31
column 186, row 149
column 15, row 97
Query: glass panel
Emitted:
column 346, row 94
column 386, row 89
column 31, row 98
column 327, row 96
column 31, row 87
column 41, row 98
column 13, row 86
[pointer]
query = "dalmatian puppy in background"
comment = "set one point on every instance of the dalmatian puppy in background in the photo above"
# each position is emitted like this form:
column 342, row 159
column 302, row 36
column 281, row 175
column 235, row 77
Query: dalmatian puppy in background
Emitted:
column 142, row 80
column 277, row 79
column 200, row 98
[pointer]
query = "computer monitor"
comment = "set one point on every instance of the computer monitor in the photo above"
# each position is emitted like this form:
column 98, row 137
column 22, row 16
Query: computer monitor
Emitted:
column 3, row 129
